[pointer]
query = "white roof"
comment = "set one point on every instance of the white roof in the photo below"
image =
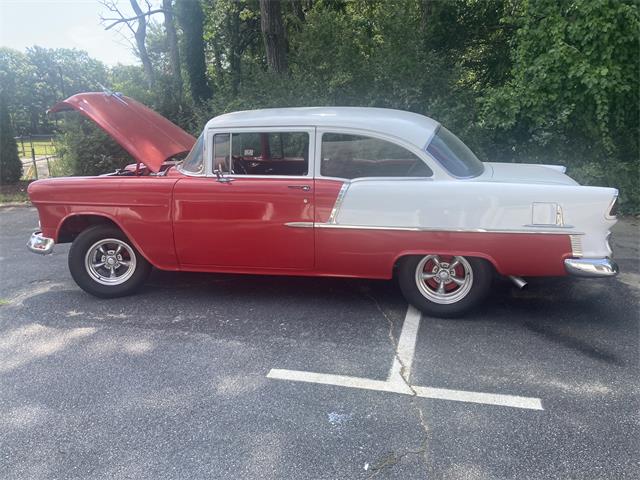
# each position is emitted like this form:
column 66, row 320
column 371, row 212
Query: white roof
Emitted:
column 410, row 127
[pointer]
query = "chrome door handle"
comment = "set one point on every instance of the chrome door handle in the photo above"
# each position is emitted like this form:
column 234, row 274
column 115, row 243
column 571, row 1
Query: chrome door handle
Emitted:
column 306, row 188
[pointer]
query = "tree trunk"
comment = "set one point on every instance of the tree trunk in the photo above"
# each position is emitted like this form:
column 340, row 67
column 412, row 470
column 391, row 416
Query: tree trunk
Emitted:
column 191, row 20
column 426, row 9
column 140, row 35
column 235, row 52
column 273, row 33
column 172, row 43
column 297, row 9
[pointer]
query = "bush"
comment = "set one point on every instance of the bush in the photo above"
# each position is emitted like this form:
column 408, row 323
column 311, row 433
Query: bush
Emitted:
column 84, row 149
column 10, row 164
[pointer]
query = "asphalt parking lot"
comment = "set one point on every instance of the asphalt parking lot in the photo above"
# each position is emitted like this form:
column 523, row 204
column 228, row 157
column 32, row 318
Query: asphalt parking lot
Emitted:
column 195, row 377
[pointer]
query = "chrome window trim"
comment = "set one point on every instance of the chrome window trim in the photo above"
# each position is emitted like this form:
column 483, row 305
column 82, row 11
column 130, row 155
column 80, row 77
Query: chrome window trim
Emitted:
column 191, row 174
column 203, row 171
column 310, row 130
column 238, row 176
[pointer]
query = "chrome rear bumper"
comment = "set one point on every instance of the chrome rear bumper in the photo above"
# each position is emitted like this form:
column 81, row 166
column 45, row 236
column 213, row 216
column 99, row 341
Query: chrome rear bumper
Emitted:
column 39, row 244
column 591, row 267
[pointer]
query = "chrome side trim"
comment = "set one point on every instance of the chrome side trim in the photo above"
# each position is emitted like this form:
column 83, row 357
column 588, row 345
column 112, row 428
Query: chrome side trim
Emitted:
column 576, row 245
column 39, row 244
column 544, row 225
column 338, row 204
column 591, row 267
column 441, row 229
column 608, row 243
column 299, row 224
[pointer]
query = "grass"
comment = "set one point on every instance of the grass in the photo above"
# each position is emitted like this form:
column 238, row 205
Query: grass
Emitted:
column 14, row 198
column 14, row 193
column 4, row 302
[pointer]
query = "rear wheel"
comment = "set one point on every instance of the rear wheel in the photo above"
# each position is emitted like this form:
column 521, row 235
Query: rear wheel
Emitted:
column 104, row 263
column 444, row 286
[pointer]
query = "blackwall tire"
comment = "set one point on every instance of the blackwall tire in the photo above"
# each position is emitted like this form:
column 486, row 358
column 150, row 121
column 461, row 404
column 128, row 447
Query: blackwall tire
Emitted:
column 104, row 263
column 444, row 286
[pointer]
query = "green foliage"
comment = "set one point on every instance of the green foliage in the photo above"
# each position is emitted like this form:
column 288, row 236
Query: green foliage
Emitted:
column 575, row 72
column 536, row 81
column 38, row 79
column 84, row 149
column 572, row 93
column 10, row 164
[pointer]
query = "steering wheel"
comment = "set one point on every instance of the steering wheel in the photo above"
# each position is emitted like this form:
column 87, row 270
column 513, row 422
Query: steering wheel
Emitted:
column 238, row 164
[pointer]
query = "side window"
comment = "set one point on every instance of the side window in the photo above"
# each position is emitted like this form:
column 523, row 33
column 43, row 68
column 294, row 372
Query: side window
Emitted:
column 221, row 152
column 354, row 156
column 270, row 153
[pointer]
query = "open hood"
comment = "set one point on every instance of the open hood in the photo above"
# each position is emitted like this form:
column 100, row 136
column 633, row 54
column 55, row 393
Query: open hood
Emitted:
column 149, row 137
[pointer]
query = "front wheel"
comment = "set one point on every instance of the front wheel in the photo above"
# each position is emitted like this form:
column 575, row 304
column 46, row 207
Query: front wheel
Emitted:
column 444, row 286
column 104, row 263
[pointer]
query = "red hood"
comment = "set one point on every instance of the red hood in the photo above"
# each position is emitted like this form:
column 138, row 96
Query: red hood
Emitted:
column 148, row 136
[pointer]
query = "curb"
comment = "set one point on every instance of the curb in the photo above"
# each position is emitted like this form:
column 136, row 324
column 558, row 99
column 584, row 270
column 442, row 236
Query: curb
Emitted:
column 16, row 204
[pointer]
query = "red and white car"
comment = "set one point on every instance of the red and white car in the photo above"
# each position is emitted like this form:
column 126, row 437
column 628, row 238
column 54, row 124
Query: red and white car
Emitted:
column 342, row 192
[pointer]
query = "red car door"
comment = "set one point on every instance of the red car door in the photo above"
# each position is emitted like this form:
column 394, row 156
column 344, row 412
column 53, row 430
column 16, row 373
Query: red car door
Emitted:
column 240, row 221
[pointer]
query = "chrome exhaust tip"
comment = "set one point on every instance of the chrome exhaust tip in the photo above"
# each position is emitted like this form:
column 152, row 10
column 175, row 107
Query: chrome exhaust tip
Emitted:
column 519, row 282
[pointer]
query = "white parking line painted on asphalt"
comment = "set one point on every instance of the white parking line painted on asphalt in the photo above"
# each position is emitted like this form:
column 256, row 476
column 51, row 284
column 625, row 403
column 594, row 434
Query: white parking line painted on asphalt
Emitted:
column 395, row 382
column 515, row 401
column 406, row 346
column 528, row 403
column 338, row 380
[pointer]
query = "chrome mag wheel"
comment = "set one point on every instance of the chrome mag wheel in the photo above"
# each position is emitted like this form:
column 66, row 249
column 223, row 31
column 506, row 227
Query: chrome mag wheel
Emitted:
column 110, row 261
column 444, row 279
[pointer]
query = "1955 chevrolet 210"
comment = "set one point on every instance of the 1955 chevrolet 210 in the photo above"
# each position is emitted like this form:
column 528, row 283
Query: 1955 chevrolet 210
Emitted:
column 344, row 192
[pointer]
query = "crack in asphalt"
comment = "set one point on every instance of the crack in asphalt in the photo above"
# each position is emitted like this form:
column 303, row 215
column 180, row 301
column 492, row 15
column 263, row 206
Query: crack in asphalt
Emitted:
column 393, row 458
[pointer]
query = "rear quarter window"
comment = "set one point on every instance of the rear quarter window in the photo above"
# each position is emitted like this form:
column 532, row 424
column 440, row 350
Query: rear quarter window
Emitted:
column 354, row 156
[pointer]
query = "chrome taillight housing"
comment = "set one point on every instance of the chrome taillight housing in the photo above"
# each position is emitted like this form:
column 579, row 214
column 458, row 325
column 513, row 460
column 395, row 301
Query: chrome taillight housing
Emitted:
column 613, row 209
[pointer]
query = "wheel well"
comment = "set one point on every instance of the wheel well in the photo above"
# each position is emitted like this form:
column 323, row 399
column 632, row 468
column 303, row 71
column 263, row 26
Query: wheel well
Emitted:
column 74, row 225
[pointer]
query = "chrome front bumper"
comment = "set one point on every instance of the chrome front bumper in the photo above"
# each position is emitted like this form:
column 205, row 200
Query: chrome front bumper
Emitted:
column 39, row 244
column 591, row 267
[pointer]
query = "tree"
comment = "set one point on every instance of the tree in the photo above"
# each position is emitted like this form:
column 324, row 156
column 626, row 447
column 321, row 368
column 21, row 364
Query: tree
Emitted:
column 139, row 20
column 10, row 164
column 575, row 72
column 191, row 20
column 172, row 46
column 273, row 33
column 35, row 80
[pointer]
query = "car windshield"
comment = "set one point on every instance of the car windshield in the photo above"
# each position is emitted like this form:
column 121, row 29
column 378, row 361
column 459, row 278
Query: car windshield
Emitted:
column 454, row 155
column 193, row 163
